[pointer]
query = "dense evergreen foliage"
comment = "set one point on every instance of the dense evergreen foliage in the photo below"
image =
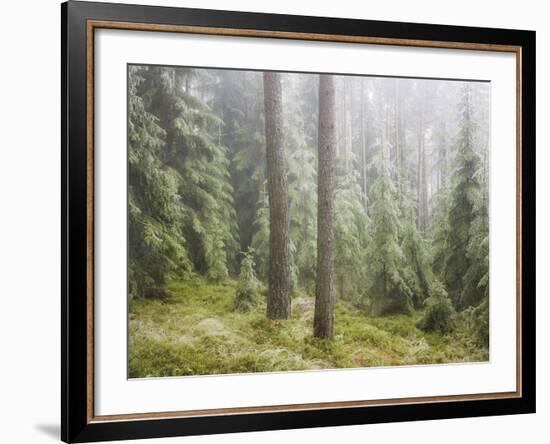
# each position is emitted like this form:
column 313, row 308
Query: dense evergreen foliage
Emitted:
column 388, row 289
column 193, row 152
column 439, row 311
column 157, row 247
column 410, row 218
column 246, row 295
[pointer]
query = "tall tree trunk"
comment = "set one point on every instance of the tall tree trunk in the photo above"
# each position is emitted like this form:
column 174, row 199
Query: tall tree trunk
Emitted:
column 442, row 156
column 424, row 182
column 278, row 299
column 421, row 185
column 425, row 165
column 323, row 321
column 363, row 145
column 403, row 136
column 341, row 123
column 397, row 123
column 348, row 121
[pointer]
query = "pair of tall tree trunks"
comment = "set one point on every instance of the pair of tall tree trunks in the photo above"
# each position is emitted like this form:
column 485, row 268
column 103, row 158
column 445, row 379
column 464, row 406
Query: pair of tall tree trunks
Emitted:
column 278, row 301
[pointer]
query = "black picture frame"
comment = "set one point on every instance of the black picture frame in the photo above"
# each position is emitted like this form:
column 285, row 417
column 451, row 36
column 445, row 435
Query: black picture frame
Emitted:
column 76, row 424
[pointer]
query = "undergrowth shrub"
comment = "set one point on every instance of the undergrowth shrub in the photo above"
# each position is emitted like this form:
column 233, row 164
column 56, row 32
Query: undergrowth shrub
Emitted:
column 439, row 311
column 480, row 315
column 246, row 294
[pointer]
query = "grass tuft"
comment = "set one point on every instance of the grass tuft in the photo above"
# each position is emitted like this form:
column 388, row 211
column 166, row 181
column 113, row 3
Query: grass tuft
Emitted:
column 194, row 330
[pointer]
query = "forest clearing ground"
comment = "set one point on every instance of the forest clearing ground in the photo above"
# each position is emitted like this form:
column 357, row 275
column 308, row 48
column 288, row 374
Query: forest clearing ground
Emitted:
column 195, row 330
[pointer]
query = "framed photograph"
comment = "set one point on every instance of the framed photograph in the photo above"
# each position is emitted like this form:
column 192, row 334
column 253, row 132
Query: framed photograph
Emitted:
column 275, row 221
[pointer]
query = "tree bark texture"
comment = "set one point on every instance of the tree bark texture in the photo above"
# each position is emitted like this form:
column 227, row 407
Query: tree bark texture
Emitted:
column 398, row 148
column 278, row 299
column 421, row 185
column 323, row 321
column 348, row 117
column 363, row 145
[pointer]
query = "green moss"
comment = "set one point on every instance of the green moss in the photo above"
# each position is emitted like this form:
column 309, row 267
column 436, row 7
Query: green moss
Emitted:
column 195, row 331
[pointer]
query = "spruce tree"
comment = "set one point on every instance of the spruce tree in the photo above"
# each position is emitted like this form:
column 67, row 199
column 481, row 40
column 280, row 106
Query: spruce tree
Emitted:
column 476, row 287
column 476, row 279
column 302, row 178
column 238, row 101
column 157, row 248
column 439, row 227
column 303, row 215
column 351, row 237
column 439, row 231
column 439, row 311
column 193, row 150
column 246, row 294
column 260, row 239
column 388, row 290
column 462, row 200
column 417, row 267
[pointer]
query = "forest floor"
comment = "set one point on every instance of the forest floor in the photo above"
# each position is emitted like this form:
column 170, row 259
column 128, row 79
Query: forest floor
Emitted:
column 195, row 331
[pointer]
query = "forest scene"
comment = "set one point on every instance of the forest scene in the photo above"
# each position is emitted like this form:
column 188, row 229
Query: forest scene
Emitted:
column 298, row 221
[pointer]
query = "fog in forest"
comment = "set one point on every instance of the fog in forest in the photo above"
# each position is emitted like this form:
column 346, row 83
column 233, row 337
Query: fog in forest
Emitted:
column 292, row 221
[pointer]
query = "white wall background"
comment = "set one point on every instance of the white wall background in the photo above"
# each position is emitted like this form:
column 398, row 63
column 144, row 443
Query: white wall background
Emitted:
column 30, row 221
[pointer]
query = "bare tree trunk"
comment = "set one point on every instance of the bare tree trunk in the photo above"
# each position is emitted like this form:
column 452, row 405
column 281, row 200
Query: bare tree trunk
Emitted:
column 363, row 145
column 419, row 136
column 278, row 299
column 341, row 123
column 397, row 124
column 323, row 321
column 442, row 159
column 424, row 182
column 344, row 152
column 403, row 135
column 348, row 121
column 421, row 178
